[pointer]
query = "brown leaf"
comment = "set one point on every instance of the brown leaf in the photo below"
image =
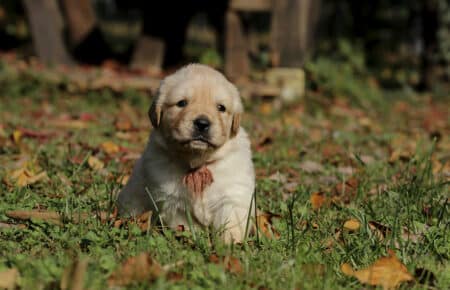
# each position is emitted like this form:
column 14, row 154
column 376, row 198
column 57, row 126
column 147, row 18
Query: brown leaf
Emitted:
column 95, row 163
column 402, row 148
column 7, row 225
column 123, row 124
column 231, row 264
column 379, row 230
column 346, row 191
column 387, row 272
column 318, row 199
column 55, row 217
column 8, row 278
column 264, row 223
column 278, row 177
column 109, row 147
column 35, row 133
column 311, row 166
column 48, row 216
column 69, row 124
column 73, row 276
column 352, row 225
column 139, row 268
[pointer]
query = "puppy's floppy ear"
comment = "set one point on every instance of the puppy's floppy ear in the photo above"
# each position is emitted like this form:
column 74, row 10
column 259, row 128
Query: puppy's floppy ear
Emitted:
column 235, row 124
column 154, row 113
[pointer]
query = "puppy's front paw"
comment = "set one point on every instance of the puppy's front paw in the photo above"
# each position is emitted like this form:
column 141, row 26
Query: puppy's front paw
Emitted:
column 233, row 235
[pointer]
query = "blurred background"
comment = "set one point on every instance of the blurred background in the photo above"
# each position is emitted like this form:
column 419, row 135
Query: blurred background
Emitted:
column 346, row 47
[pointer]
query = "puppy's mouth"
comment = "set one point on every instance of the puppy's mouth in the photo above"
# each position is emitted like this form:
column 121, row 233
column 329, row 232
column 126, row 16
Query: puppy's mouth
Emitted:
column 199, row 143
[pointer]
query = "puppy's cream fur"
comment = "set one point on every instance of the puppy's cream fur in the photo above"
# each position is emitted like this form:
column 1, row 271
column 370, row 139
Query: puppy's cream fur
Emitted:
column 172, row 152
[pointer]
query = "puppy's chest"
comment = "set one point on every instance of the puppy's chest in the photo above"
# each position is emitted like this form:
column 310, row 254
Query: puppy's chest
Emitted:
column 197, row 195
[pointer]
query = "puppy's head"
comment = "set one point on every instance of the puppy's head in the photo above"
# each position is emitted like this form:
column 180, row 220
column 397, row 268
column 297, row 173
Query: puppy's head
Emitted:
column 196, row 109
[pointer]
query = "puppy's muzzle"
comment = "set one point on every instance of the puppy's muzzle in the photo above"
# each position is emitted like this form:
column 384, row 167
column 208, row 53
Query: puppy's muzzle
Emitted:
column 201, row 125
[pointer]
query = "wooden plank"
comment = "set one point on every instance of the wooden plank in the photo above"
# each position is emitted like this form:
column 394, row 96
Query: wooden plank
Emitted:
column 251, row 5
column 293, row 31
column 46, row 29
column 148, row 54
column 236, row 52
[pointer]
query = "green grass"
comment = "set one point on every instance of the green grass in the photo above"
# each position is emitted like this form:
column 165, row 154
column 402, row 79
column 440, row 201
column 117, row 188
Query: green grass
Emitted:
column 312, row 244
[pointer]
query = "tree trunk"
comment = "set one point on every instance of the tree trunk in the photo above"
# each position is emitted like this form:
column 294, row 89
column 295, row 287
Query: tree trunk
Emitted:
column 294, row 25
column 46, row 27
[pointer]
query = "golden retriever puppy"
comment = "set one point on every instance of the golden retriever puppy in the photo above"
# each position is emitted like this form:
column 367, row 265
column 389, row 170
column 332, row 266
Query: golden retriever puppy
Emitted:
column 197, row 167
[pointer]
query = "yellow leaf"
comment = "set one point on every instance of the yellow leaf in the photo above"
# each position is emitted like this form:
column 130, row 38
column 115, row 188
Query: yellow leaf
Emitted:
column 23, row 177
column 264, row 223
column 388, row 272
column 17, row 136
column 123, row 179
column 266, row 108
column 110, row 147
column 352, row 225
column 95, row 163
column 8, row 278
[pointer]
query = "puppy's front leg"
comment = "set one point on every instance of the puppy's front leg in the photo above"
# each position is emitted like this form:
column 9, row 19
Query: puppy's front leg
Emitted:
column 233, row 220
column 133, row 198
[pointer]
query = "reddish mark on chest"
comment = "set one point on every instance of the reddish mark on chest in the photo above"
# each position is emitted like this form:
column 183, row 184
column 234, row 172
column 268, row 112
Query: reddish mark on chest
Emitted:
column 197, row 180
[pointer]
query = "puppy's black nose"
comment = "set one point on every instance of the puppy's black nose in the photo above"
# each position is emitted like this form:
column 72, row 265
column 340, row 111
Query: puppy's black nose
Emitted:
column 202, row 124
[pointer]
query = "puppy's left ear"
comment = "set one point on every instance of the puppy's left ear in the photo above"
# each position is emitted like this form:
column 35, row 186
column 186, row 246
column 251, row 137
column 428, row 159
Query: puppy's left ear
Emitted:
column 154, row 113
column 236, row 123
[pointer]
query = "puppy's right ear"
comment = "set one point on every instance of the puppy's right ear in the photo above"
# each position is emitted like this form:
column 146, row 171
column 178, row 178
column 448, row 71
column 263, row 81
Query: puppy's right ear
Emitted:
column 154, row 113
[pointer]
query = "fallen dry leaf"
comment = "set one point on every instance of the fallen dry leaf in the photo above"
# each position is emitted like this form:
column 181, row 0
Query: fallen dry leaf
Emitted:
column 17, row 136
column 318, row 199
column 8, row 278
column 387, row 272
column 352, row 225
column 95, row 163
column 402, row 148
column 379, row 230
column 123, row 179
column 278, row 177
column 69, row 124
column 346, row 191
column 73, row 276
column 265, row 108
column 265, row 224
column 123, row 124
column 22, row 177
column 7, row 225
column 231, row 264
column 139, row 268
column 48, row 216
column 311, row 166
column 55, row 217
column 109, row 147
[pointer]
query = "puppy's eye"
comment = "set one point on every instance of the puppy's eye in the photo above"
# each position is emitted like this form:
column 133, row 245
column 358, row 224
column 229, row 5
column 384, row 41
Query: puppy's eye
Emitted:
column 221, row 108
column 182, row 104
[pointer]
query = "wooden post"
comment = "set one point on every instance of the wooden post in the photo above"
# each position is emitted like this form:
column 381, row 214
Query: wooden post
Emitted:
column 81, row 19
column 46, row 27
column 148, row 54
column 236, row 52
column 293, row 27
